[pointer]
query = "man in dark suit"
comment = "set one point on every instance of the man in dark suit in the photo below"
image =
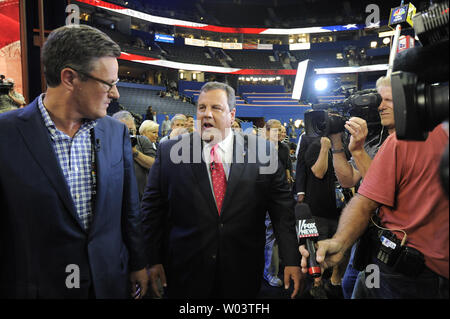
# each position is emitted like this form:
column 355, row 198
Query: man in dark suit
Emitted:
column 69, row 220
column 205, row 204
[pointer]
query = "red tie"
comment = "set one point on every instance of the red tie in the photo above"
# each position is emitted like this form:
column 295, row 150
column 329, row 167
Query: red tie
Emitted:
column 218, row 178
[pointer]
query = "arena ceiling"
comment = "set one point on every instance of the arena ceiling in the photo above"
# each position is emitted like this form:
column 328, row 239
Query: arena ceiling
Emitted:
column 270, row 13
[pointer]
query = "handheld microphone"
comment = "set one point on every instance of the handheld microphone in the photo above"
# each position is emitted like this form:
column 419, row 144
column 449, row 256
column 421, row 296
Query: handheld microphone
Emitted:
column 307, row 235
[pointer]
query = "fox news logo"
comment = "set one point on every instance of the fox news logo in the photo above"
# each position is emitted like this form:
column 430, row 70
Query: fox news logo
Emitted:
column 307, row 228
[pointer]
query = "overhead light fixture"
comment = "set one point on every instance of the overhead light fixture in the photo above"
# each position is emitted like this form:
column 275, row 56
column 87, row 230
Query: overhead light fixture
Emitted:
column 386, row 40
column 373, row 44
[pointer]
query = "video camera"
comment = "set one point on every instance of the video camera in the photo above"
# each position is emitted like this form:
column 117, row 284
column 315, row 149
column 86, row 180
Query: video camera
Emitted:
column 420, row 81
column 420, row 77
column 133, row 139
column 5, row 86
column 330, row 118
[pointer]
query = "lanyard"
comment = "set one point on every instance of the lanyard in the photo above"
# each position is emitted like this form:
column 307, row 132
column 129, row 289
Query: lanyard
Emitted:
column 95, row 147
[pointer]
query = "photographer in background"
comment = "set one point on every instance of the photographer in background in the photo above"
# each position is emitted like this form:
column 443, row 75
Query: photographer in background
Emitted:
column 9, row 98
column 410, row 247
column 349, row 174
column 142, row 150
column 315, row 185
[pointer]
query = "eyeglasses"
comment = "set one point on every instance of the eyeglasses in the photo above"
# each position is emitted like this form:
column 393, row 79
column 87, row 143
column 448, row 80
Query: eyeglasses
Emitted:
column 110, row 85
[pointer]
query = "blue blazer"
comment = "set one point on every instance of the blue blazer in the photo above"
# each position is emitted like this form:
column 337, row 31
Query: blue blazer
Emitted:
column 40, row 231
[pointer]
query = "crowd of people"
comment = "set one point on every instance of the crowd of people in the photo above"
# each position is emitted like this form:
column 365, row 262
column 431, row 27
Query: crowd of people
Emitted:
column 206, row 210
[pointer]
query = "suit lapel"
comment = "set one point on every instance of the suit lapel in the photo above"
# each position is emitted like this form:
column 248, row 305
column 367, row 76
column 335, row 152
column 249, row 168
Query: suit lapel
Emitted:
column 200, row 172
column 237, row 168
column 102, row 165
column 36, row 137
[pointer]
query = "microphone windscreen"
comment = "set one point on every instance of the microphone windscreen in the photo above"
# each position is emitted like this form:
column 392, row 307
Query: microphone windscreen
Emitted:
column 430, row 63
column 302, row 211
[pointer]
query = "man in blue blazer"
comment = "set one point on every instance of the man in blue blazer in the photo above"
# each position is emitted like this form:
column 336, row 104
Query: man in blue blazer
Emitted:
column 69, row 219
column 205, row 205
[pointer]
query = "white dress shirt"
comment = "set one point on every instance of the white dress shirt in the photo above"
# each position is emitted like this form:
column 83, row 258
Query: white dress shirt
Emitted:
column 225, row 152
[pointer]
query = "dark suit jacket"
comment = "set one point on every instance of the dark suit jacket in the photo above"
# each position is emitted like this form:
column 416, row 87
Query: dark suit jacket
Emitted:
column 204, row 247
column 40, row 231
column 301, row 169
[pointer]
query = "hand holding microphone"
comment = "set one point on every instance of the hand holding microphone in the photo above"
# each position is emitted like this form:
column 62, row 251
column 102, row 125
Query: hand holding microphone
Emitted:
column 329, row 252
column 307, row 235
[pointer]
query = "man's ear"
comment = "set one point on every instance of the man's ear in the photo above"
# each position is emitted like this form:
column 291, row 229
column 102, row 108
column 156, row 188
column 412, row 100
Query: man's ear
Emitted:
column 233, row 116
column 68, row 78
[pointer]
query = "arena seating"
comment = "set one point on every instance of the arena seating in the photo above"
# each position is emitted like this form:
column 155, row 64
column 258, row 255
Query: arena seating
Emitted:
column 138, row 97
column 253, row 59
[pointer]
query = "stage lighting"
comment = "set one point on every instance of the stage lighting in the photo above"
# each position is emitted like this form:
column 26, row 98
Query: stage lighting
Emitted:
column 321, row 84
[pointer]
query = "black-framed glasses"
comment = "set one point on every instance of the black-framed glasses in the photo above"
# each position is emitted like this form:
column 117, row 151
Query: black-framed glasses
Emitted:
column 110, row 85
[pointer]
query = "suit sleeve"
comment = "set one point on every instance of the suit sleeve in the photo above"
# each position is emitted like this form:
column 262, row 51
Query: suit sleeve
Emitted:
column 281, row 212
column 131, row 217
column 153, row 209
column 146, row 146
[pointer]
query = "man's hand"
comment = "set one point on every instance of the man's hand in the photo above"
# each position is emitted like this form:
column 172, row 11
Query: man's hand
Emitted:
column 325, row 142
column 156, row 272
column 357, row 127
column 328, row 254
column 336, row 140
column 139, row 282
column 294, row 273
column 300, row 198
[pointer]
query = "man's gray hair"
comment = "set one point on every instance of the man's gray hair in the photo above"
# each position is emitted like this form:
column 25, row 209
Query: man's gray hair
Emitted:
column 383, row 81
column 76, row 46
column 231, row 96
column 178, row 117
column 270, row 123
column 148, row 125
column 123, row 115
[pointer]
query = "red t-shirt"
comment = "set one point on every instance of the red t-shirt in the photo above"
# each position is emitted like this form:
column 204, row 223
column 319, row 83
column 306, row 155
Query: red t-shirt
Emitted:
column 404, row 178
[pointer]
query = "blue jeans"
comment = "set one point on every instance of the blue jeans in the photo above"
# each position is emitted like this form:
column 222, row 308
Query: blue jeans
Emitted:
column 350, row 276
column 270, row 259
column 393, row 285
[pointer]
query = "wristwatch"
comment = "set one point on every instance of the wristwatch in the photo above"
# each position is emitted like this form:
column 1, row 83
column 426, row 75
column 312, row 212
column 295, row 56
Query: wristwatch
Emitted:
column 135, row 154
